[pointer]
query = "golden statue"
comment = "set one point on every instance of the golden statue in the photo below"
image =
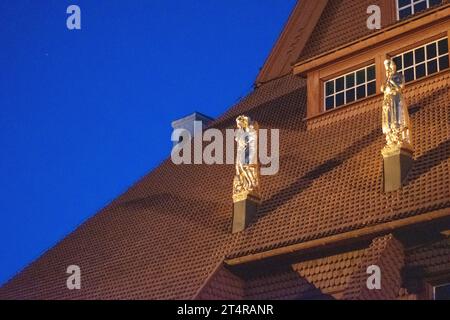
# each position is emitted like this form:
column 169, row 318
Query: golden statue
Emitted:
column 246, row 180
column 395, row 116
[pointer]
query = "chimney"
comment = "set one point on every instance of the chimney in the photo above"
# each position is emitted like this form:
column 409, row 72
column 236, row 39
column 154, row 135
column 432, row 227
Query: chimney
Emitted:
column 187, row 122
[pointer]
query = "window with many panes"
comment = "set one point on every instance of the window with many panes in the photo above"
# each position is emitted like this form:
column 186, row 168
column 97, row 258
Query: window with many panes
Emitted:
column 350, row 87
column 406, row 8
column 424, row 60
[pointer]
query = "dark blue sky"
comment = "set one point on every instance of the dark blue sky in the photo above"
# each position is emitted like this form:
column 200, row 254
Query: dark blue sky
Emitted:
column 84, row 114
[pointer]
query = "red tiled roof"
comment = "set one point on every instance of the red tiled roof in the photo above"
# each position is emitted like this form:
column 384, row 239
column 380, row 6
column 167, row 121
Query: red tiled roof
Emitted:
column 336, row 276
column 222, row 285
column 330, row 178
column 284, row 284
column 341, row 22
column 431, row 259
column 330, row 274
column 168, row 233
column 385, row 252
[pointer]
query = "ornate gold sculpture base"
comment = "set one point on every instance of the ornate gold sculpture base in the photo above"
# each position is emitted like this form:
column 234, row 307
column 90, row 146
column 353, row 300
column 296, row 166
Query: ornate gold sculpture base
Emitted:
column 245, row 208
column 397, row 162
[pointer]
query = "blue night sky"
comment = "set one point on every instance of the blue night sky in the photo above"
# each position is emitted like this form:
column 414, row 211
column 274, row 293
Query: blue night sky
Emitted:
column 84, row 114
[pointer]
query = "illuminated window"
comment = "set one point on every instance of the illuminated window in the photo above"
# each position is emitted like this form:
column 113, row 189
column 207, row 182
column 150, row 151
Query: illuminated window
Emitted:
column 349, row 87
column 423, row 61
column 441, row 292
column 406, row 8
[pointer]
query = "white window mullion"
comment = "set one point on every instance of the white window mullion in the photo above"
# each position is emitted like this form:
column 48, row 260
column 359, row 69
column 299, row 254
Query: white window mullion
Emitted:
column 347, row 88
column 427, row 59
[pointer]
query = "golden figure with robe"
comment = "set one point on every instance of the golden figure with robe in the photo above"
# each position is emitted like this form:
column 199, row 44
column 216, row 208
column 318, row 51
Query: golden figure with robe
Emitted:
column 395, row 117
column 246, row 180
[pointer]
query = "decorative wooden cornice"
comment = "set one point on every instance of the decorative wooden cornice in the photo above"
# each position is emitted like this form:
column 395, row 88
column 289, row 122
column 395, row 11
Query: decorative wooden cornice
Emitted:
column 343, row 238
column 292, row 40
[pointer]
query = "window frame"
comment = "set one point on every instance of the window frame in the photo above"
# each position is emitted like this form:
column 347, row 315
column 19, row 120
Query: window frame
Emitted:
column 443, row 284
column 344, row 75
column 411, row 4
column 424, row 45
